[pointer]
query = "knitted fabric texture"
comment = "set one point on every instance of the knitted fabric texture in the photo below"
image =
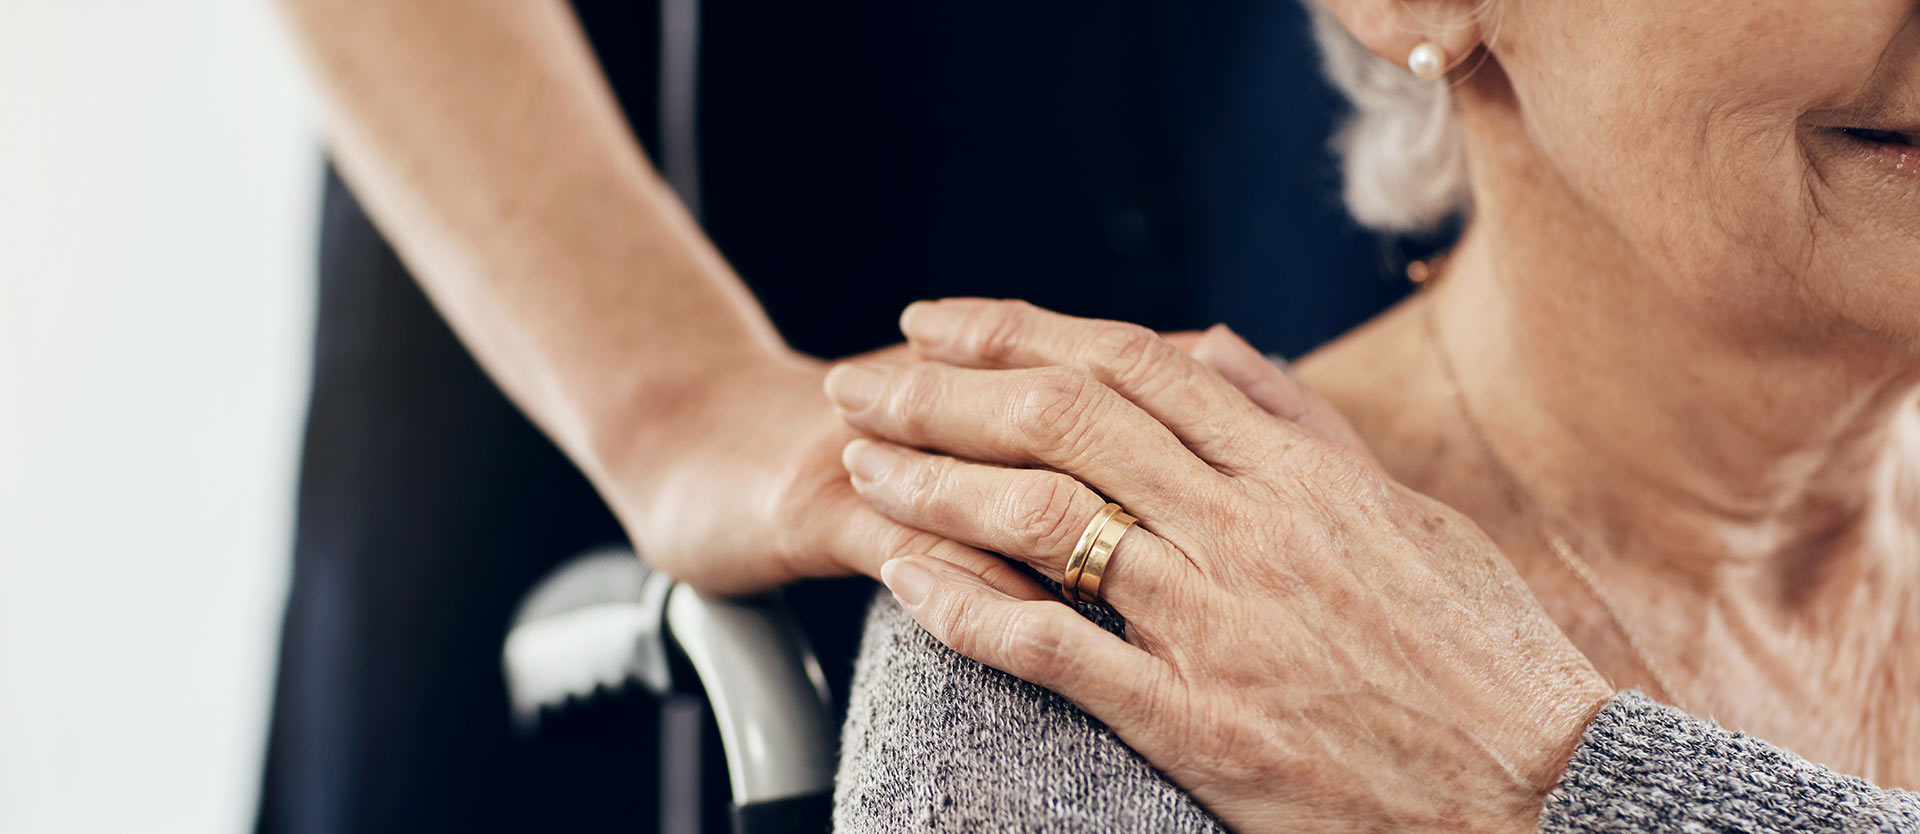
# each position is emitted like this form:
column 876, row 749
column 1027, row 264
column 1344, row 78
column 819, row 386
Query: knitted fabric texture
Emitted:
column 1646, row 767
column 936, row 742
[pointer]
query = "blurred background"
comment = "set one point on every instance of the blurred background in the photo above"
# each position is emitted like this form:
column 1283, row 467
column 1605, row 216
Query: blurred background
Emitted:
column 159, row 178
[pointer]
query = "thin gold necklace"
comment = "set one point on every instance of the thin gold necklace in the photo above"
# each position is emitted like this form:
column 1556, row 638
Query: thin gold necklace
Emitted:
column 1425, row 273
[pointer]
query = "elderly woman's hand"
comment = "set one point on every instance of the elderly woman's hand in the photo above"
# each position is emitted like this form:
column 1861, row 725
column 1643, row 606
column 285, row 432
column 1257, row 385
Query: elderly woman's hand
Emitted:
column 1310, row 646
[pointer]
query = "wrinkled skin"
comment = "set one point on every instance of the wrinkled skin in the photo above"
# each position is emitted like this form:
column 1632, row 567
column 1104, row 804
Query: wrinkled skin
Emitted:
column 1310, row 645
column 1685, row 308
column 758, row 498
column 765, row 502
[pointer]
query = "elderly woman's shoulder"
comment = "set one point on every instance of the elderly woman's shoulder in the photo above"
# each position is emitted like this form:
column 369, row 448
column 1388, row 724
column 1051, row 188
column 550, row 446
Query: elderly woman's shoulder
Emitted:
column 937, row 742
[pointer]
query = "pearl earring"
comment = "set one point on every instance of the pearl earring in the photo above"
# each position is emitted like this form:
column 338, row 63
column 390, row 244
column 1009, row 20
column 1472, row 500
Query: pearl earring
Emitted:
column 1427, row 61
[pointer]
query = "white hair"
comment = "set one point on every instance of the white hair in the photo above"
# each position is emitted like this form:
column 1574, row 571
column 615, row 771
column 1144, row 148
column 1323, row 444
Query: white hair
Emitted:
column 1404, row 166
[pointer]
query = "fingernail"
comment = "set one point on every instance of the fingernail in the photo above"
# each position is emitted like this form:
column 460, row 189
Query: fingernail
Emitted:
column 908, row 582
column 867, row 460
column 930, row 322
column 854, row 386
column 1222, row 337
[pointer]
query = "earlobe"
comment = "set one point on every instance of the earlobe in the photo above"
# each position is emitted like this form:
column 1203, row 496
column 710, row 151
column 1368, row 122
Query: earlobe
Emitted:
column 1427, row 61
column 1428, row 37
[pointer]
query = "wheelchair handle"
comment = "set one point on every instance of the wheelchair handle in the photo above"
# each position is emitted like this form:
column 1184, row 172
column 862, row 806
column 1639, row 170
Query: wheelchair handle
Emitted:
column 768, row 694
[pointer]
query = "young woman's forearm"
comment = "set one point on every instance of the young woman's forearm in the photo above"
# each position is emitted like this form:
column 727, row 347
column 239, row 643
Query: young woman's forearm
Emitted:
column 483, row 138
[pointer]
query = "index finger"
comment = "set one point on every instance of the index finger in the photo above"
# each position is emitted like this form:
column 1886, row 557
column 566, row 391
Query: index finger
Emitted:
column 1209, row 415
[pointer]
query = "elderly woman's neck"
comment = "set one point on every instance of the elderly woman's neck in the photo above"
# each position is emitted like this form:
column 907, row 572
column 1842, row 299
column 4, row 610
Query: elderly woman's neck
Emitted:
column 1676, row 432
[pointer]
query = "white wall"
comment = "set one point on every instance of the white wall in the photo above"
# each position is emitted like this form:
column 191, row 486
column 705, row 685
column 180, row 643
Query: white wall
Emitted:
column 158, row 181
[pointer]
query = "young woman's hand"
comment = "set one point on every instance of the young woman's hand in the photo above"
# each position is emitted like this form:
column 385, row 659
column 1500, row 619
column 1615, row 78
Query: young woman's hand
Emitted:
column 1310, row 646
column 741, row 488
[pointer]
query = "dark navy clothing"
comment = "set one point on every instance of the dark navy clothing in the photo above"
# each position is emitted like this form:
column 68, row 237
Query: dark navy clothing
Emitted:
column 1151, row 160
column 1145, row 159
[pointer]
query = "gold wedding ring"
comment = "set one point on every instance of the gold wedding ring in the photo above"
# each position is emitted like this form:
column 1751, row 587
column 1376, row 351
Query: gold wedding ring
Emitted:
column 1077, row 562
column 1088, row 563
column 1103, row 545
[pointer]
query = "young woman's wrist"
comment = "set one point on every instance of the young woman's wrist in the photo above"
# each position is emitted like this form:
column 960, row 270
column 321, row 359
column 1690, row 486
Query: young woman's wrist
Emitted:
column 648, row 416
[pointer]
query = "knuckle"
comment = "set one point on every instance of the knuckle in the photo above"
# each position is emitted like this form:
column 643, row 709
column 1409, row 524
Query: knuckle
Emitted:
column 913, row 396
column 1055, row 408
column 1040, row 512
column 926, row 482
column 1129, row 353
column 1344, row 474
column 1032, row 645
column 953, row 622
column 1329, row 471
column 997, row 329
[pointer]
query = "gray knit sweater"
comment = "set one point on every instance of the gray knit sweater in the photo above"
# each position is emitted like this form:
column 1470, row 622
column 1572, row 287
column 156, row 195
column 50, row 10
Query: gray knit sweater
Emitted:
column 936, row 742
